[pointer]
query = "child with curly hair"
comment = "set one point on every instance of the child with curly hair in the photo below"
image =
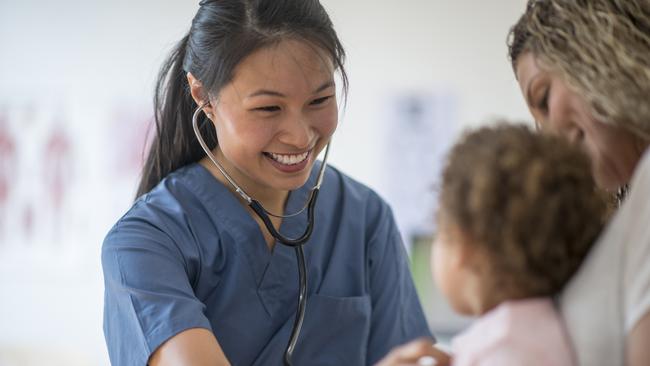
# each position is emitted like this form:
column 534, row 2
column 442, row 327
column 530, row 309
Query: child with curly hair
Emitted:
column 518, row 213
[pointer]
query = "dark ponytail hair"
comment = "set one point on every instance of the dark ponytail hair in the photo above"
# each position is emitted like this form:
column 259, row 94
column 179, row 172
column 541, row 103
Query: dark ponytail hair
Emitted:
column 222, row 34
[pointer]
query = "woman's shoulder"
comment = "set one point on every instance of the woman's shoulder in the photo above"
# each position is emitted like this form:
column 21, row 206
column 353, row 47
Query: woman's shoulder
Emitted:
column 617, row 263
column 634, row 214
column 352, row 190
column 626, row 232
column 641, row 176
column 179, row 220
column 163, row 209
column 627, row 226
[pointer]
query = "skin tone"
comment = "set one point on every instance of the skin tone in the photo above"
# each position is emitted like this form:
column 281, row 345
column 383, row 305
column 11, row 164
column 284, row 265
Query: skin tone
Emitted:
column 614, row 152
column 461, row 272
column 272, row 120
column 557, row 109
column 638, row 352
column 195, row 346
column 412, row 352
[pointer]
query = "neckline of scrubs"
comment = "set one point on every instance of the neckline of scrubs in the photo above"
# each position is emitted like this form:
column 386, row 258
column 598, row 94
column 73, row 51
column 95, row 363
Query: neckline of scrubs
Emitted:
column 275, row 272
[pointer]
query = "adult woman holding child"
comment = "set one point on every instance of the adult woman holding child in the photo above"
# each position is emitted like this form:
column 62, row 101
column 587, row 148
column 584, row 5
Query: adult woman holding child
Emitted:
column 584, row 70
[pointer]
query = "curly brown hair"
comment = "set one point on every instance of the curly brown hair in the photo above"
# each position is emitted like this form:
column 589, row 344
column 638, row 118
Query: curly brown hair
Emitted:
column 600, row 47
column 528, row 199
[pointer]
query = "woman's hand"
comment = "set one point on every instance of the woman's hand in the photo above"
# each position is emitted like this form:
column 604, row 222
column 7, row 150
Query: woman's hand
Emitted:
column 418, row 352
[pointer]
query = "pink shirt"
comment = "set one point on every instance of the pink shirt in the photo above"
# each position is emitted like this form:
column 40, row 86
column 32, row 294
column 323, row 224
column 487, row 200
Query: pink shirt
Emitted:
column 523, row 332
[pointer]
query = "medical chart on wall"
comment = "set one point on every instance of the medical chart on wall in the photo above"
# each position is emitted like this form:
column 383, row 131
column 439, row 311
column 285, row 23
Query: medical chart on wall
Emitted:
column 69, row 166
column 59, row 162
column 420, row 128
column 7, row 166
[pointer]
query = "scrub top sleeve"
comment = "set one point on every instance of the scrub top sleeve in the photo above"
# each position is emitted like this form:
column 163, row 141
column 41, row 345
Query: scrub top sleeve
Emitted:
column 148, row 296
column 397, row 315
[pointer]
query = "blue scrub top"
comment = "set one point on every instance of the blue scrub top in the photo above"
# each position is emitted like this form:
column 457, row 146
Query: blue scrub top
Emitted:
column 188, row 254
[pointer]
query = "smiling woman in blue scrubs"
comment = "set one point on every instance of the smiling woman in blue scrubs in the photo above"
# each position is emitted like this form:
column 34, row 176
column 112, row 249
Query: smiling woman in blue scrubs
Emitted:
column 192, row 276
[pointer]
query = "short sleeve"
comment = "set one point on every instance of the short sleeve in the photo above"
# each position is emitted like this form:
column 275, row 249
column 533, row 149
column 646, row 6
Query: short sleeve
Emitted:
column 636, row 220
column 397, row 315
column 148, row 294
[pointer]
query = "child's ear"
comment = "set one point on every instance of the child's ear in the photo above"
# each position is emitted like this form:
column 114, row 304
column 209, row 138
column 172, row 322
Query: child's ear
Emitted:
column 464, row 256
column 468, row 255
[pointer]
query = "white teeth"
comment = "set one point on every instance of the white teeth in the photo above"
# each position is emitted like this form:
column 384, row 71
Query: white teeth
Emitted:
column 289, row 159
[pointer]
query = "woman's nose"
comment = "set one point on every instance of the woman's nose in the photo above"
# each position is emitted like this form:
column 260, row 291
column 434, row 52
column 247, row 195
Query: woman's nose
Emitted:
column 559, row 123
column 297, row 132
column 575, row 135
column 566, row 128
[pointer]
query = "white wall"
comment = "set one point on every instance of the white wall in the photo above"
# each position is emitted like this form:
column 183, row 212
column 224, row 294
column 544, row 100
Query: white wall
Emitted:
column 393, row 46
column 84, row 65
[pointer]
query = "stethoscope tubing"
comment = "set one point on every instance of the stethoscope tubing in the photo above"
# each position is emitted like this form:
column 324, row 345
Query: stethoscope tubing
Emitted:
column 296, row 243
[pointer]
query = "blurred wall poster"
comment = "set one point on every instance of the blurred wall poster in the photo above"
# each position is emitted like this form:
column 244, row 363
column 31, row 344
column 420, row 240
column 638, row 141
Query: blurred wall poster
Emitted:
column 421, row 127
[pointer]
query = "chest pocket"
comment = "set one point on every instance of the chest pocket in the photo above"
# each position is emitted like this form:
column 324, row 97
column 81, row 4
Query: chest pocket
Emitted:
column 335, row 331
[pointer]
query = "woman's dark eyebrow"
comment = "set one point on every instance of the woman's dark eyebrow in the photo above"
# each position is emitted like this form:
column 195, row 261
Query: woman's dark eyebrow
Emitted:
column 327, row 84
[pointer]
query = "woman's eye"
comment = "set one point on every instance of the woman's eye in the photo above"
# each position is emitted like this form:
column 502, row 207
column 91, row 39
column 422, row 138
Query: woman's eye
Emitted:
column 270, row 108
column 320, row 100
column 542, row 105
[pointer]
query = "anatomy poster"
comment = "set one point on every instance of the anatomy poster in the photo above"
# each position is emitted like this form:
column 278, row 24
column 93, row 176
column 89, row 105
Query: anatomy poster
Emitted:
column 59, row 162
column 420, row 128
column 7, row 169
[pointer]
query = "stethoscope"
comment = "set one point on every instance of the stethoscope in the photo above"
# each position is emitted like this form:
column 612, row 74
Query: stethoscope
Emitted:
column 263, row 214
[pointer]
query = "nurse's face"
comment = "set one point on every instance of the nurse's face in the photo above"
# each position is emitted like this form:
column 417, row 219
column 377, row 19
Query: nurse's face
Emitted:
column 275, row 116
column 613, row 151
column 447, row 265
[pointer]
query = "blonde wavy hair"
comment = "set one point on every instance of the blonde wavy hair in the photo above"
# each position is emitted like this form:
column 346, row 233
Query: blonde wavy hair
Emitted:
column 600, row 47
